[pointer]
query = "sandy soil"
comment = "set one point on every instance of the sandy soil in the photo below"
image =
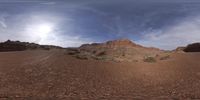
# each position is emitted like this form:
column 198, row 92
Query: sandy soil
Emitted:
column 54, row 75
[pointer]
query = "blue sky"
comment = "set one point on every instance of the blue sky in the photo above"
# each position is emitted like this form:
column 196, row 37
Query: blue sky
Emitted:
column 68, row 23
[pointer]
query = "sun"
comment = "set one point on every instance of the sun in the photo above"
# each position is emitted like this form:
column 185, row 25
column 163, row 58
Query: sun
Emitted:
column 44, row 28
column 41, row 30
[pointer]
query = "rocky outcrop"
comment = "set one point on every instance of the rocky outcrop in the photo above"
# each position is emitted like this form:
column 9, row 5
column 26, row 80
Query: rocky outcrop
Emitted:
column 195, row 47
column 113, row 44
column 121, row 42
column 179, row 50
column 117, row 50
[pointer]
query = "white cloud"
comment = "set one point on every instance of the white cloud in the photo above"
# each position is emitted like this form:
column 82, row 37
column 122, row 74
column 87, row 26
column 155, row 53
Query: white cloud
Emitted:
column 181, row 34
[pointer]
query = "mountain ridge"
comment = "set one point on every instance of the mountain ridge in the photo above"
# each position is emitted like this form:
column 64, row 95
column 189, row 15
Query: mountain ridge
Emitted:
column 22, row 46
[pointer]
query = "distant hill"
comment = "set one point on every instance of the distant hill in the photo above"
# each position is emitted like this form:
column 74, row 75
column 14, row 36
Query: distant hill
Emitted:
column 21, row 46
column 117, row 50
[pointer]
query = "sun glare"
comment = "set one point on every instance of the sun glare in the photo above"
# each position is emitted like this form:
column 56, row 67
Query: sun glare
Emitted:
column 44, row 29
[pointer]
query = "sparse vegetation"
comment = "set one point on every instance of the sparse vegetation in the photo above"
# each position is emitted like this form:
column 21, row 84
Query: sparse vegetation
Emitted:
column 72, row 51
column 82, row 57
column 45, row 48
column 149, row 59
column 100, row 58
column 101, row 53
column 165, row 57
column 94, row 51
column 167, row 51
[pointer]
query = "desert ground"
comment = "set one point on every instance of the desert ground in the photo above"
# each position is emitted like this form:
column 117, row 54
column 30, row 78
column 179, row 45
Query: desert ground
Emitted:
column 56, row 75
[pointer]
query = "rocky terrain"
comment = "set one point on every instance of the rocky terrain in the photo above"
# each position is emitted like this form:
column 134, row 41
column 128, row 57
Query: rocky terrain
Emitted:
column 59, row 74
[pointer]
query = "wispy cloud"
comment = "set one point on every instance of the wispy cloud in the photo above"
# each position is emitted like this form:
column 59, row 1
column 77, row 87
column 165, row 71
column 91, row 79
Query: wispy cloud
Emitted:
column 2, row 21
column 21, row 1
column 48, row 3
column 181, row 34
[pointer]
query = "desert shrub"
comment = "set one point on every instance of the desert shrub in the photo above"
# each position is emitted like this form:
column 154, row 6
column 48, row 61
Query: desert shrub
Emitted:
column 101, row 53
column 94, row 51
column 46, row 48
column 100, row 58
column 82, row 57
column 73, row 52
column 167, row 51
column 165, row 57
column 149, row 59
column 123, row 54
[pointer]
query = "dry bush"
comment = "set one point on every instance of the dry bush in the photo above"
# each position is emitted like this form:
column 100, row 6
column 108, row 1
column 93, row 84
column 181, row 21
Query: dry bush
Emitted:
column 73, row 52
column 165, row 57
column 101, row 53
column 82, row 57
column 149, row 59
